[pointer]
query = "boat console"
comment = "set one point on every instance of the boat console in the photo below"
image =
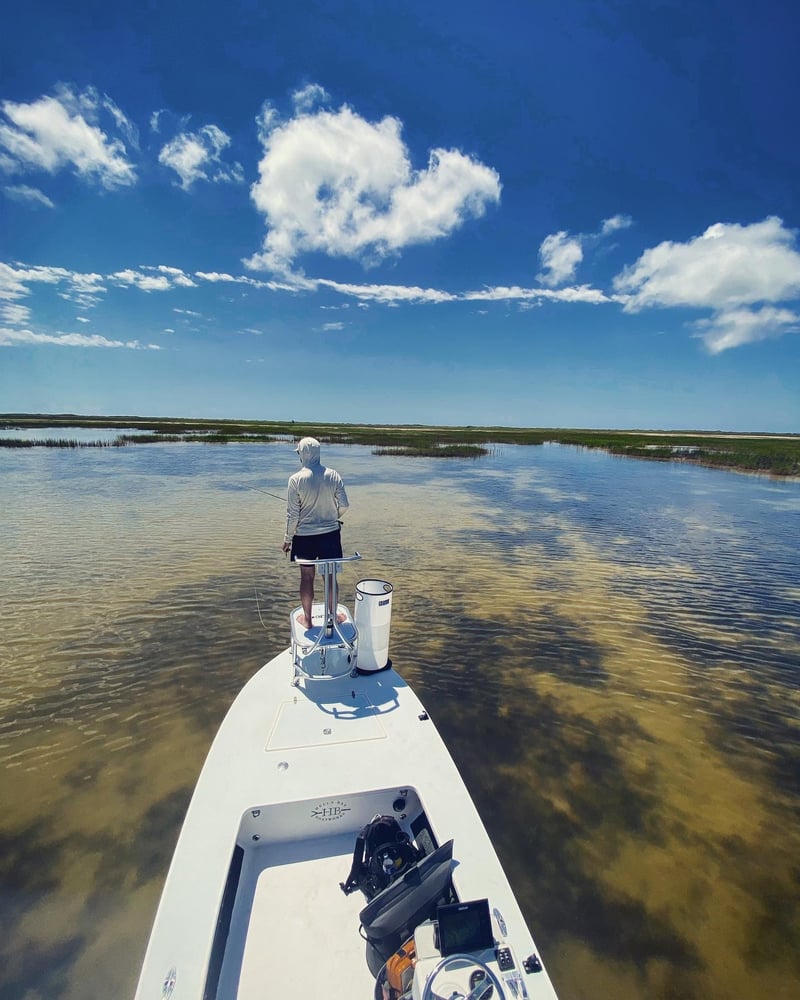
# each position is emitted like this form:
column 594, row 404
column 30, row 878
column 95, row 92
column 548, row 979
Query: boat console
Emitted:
column 457, row 954
column 460, row 954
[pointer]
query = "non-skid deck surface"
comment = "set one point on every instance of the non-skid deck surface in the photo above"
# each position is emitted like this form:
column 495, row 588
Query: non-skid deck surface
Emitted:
column 296, row 907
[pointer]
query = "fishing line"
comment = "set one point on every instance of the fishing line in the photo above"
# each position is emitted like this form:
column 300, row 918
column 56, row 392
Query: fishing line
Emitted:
column 255, row 585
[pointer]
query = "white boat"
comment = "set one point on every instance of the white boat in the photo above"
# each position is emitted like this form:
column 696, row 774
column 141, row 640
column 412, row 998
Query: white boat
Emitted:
column 271, row 892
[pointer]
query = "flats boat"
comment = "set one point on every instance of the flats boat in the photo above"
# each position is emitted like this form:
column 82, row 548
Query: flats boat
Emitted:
column 277, row 889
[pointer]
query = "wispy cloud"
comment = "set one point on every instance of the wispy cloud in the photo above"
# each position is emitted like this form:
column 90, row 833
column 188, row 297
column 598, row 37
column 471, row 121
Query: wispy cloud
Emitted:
column 77, row 129
column 14, row 313
column 335, row 183
column 28, row 195
column 197, row 156
column 145, row 282
column 174, row 275
column 615, row 223
column 387, row 294
column 505, row 293
column 746, row 278
column 309, row 98
column 738, row 272
column 10, row 338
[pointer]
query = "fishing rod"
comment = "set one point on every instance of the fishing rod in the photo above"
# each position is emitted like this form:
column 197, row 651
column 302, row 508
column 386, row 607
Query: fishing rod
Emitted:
column 267, row 493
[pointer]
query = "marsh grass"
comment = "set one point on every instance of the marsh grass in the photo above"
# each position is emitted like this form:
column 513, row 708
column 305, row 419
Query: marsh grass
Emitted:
column 777, row 455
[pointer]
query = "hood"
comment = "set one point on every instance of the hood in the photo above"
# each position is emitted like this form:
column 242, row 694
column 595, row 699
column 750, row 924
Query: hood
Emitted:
column 308, row 450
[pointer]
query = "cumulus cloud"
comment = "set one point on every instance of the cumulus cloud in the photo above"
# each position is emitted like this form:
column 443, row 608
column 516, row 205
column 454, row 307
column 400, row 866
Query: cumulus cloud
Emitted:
column 197, row 156
column 730, row 269
column 728, row 265
column 560, row 255
column 334, row 183
column 734, row 327
column 71, row 129
column 562, row 252
column 28, row 195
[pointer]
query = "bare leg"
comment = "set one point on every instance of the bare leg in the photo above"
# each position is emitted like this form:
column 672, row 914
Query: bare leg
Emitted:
column 307, row 592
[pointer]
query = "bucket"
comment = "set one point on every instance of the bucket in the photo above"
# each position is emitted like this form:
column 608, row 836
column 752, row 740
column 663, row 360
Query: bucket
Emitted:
column 373, row 619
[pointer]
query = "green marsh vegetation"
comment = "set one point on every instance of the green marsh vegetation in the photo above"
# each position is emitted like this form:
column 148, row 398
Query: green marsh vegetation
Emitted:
column 777, row 455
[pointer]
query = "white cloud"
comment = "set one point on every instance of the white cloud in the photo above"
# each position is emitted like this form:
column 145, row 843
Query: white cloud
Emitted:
column 310, row 97
column 174, row 274
column 14, row 281
column 84, row 289
column 328, row 327
column 727, row 266
column 334, row 183
column 52, row 133
column 146, row 282
column 276, row 286
column 30, row 195
column 196, row 156
column 562, row 252
column 14, row 313
column 735, row 327
column 730, row 269
column 560, row 255
column 388, row 294
column 503, row 293
column 10, row 338
column 615, row 223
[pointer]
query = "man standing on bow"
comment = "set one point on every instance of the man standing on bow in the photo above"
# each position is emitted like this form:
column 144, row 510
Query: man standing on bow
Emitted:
column 315, row 504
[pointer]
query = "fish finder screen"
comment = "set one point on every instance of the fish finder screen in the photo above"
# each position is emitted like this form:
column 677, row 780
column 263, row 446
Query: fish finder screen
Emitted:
column 464, row 927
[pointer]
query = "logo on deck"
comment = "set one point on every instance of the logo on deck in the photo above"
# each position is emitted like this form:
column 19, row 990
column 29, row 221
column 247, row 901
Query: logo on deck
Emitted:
column 327, row 812
column 169, row 984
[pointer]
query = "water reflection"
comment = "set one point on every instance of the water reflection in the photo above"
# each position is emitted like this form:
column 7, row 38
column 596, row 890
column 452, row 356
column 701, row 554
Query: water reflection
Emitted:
column 609, row 647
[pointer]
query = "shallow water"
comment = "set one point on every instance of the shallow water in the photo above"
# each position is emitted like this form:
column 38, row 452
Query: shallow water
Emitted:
column 610, row 648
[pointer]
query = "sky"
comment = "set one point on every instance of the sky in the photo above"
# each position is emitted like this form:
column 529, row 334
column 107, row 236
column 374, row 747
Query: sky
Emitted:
column 539, row 213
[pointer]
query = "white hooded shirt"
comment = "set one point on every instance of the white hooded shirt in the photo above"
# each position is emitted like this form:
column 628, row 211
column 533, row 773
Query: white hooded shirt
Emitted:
column 316, row 498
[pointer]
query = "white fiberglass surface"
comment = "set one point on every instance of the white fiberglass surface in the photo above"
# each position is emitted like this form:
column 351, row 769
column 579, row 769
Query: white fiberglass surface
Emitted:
column 289, row 912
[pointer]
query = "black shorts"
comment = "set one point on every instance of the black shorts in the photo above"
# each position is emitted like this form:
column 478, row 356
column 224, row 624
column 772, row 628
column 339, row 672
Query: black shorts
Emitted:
column 326, row 546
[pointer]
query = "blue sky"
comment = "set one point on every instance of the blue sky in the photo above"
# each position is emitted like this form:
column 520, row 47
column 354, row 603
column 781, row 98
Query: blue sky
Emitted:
column 580, row 213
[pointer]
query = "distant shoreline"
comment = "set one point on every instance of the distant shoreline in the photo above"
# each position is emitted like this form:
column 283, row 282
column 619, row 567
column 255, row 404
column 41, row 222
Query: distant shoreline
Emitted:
column 775, row 455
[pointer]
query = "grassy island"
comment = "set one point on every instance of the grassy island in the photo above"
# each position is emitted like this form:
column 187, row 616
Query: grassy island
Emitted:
column 769, row 454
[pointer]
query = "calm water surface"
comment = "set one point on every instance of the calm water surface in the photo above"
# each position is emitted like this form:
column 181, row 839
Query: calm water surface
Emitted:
column 610, row 648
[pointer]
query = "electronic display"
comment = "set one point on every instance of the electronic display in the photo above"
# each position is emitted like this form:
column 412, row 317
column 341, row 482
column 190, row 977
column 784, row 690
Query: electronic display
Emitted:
column 464, row 927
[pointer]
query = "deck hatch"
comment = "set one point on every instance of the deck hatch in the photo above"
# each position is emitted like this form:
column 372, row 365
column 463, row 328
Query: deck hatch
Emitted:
column 304, row 723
